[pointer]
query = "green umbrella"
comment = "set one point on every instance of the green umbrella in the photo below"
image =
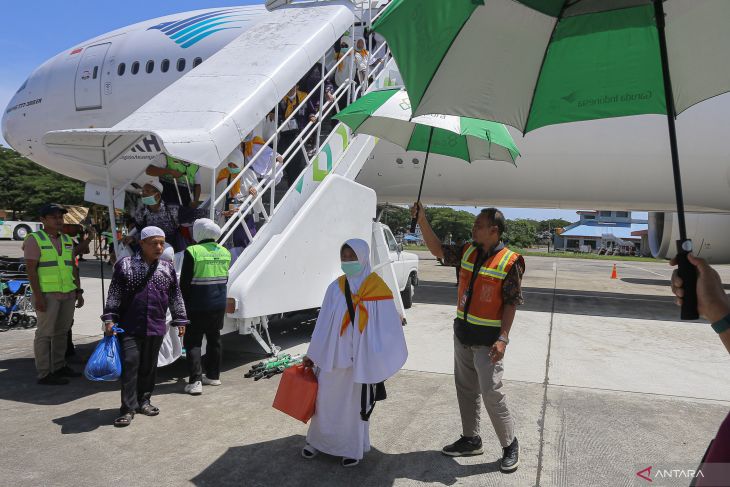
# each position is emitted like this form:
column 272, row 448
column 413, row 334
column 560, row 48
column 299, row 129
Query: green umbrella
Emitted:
column 387, row 114
column 532, row 63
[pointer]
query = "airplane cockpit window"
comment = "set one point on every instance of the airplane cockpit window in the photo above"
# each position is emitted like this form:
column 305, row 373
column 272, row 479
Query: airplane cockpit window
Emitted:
column 22, row 87
column 197, row 61
column 181, row 64
column 150, row 66
column 121, row 68
column 96, row 72
column 165, row 65
column 135, row 67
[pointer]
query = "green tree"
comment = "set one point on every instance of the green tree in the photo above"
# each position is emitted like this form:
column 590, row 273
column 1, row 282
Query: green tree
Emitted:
column 25, row 186
column 396, row 217
column 552, row 224
column 446, row 221
column 520, row 233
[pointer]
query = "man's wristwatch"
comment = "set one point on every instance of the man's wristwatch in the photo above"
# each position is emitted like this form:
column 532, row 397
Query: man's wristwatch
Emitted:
column 503, row 339
column 722, row 325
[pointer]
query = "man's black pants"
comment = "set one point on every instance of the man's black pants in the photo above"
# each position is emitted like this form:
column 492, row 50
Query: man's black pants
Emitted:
column 139, row 367
column 208, row 324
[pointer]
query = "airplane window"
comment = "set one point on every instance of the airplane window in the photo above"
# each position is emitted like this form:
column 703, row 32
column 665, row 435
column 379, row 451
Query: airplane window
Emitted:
column 165, row 65
column 181, row 64
column 197, row 61
column 121, row 68
column 135, row 67
column 96, row 72
column 150, row 66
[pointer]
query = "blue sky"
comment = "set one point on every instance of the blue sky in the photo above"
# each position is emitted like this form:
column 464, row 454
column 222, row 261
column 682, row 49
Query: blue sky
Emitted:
column 57, row 25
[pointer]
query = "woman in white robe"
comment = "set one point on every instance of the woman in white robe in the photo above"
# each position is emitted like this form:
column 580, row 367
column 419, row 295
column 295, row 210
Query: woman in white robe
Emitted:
column 348, row 355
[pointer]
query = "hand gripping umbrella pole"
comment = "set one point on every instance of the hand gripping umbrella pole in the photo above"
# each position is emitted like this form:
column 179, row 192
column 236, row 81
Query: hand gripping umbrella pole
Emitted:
column 687, row 271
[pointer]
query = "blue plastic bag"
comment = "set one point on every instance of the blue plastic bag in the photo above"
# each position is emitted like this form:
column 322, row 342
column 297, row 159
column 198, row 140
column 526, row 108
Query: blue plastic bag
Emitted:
column 105, row 364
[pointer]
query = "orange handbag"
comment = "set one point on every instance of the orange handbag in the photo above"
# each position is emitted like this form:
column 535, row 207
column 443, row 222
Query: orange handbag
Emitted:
column 297, row 393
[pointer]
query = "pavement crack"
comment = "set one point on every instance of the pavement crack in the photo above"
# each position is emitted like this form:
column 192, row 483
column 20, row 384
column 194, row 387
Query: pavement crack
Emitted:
column 546, row 381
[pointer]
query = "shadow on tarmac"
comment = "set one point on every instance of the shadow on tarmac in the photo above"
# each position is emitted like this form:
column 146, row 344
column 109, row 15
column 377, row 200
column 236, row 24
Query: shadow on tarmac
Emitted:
column 655, row 282
column 570, row 301
column 261, row 464
column 18, row 375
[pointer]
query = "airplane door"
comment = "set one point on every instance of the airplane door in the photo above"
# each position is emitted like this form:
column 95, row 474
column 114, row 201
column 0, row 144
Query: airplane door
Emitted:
column 88, row 77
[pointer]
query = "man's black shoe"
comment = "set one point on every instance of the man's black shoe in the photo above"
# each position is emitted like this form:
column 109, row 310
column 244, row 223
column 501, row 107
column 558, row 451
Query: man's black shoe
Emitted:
column 52, row 380
column 67, row 371
column 511, row 457
column 464, row 446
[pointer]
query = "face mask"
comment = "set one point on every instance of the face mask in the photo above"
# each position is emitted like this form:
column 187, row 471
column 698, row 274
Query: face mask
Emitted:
column 351, row 268
column 234, row 170
column 292, row 97
column 149, row 200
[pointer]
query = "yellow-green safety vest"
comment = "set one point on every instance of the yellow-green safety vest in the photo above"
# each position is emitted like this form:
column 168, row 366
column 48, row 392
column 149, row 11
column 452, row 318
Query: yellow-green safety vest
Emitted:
column 55, row 272
column 211, row 264
column 188, row 170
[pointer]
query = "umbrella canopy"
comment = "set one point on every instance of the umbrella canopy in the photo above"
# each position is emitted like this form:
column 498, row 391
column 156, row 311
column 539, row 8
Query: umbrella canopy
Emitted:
column 387, row 114
column 532, row 63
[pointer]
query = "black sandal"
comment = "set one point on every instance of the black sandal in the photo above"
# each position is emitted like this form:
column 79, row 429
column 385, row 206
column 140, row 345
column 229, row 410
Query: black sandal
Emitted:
column 148, row 410
column 124, row 420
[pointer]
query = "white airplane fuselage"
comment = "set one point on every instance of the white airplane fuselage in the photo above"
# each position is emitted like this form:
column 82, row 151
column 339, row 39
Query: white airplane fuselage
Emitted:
column 614, row 163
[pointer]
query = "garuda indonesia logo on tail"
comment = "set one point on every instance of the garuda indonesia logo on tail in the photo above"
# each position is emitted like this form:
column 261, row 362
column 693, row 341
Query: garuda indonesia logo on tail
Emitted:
column 190, row 31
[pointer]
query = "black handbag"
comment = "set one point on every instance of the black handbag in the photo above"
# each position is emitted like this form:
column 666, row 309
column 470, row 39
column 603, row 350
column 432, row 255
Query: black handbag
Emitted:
column 370, row 392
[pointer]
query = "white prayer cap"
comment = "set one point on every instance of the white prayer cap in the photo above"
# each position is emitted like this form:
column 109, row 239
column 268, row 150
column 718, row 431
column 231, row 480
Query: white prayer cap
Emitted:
column 236, row 157
column 148, row 232
column 205, row 229
column 168, row 254
column 155, row 183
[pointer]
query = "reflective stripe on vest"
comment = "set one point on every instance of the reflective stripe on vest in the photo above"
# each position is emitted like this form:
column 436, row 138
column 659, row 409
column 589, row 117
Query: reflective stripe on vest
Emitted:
column 188, row 170
column 486, row 305
column 211, row 262
column 55, row 272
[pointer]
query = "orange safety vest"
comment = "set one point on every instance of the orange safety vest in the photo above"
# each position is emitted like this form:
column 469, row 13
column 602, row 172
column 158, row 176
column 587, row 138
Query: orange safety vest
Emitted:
column 486, row 306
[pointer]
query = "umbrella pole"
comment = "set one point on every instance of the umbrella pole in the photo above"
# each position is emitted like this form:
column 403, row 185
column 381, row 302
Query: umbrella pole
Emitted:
column 414, row 221
column 687, row 271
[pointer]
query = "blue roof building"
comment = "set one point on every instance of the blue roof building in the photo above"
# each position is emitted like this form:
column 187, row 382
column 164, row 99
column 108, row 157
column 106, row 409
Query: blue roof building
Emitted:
column 604, row 228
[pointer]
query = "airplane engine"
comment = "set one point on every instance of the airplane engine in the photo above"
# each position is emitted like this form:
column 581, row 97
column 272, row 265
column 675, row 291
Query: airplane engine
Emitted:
column 710, row 234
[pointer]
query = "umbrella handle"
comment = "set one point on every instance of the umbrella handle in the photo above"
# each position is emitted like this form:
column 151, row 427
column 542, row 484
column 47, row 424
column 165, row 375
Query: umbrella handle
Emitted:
column 688, row 273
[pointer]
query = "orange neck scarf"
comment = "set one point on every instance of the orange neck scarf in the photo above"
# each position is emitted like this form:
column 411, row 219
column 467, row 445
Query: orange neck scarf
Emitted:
column 248, row 146
column 372, row 289
column 223, row 175
column 338, row 56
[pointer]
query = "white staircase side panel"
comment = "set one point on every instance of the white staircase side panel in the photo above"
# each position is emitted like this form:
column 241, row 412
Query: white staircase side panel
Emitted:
column 339, row 151
column 292, row 271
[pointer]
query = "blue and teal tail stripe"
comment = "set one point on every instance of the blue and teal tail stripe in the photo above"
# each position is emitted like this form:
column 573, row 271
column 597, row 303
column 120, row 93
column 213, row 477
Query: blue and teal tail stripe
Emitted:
column 188, row 32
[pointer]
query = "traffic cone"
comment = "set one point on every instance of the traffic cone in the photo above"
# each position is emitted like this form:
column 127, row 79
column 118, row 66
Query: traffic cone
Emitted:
column 614, row 274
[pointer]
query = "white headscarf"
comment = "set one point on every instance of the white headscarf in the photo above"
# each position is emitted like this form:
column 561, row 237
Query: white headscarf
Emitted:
column 362, row 250
column 375, row 354
column 205, row 229
column 168, row 254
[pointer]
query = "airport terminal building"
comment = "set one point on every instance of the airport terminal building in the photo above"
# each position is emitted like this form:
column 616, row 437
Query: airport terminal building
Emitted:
column 603, row 229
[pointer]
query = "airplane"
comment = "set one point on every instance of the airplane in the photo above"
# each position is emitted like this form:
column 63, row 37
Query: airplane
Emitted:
column 608, row 164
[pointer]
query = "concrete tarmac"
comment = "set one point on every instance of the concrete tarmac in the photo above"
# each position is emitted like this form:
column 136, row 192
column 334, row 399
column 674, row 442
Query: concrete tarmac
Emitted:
column 602, row 377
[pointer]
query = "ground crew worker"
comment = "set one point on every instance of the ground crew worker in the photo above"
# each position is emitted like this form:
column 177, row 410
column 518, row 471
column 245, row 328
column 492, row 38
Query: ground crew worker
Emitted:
column 203, row 282
column 489, row 292
column 54, row 279
column 180, row 181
